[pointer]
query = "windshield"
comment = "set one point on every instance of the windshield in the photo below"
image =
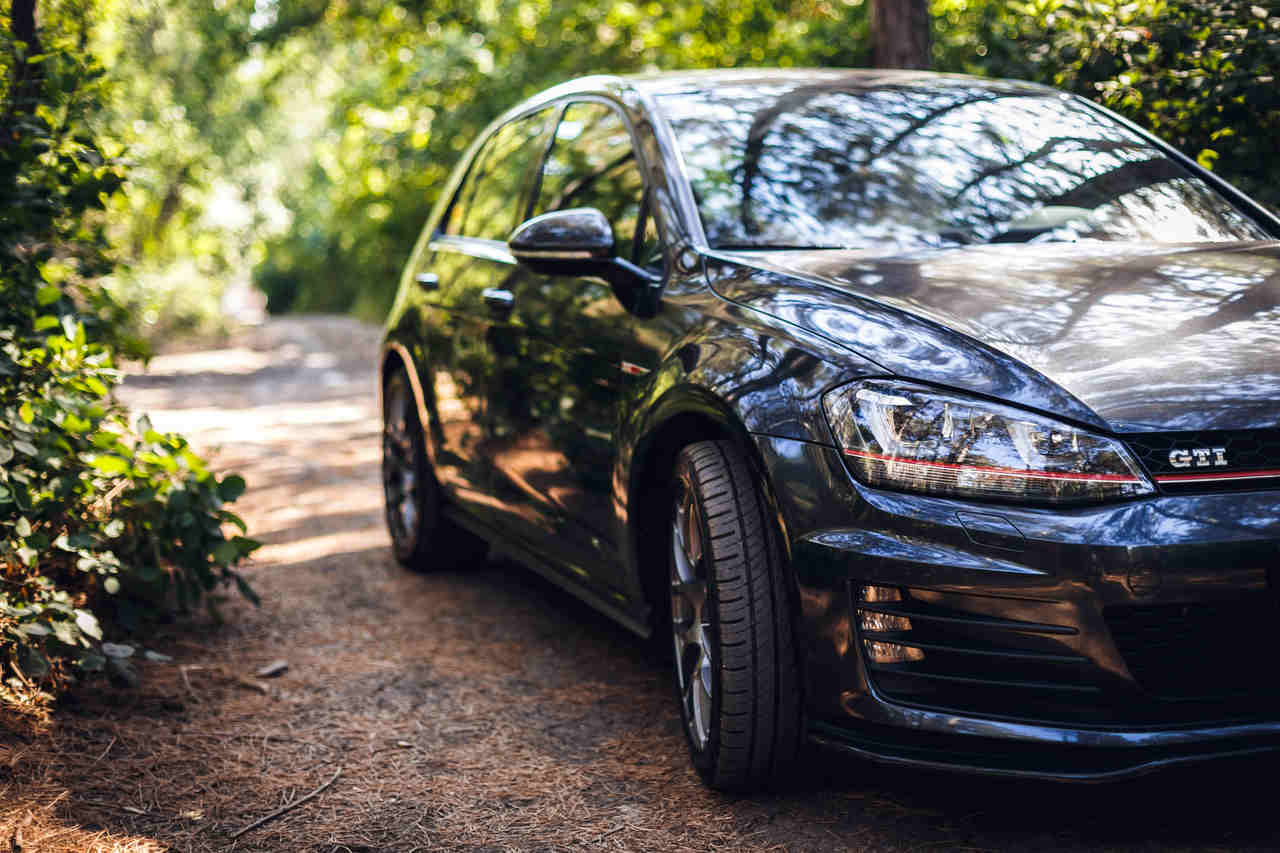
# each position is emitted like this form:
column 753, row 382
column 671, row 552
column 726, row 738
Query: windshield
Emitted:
column 946, row 162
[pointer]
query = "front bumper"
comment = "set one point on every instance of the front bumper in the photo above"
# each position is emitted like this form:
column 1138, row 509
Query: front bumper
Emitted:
column 1075, row 644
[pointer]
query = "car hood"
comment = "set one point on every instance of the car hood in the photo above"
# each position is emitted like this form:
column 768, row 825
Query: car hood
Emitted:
column 1134, row 337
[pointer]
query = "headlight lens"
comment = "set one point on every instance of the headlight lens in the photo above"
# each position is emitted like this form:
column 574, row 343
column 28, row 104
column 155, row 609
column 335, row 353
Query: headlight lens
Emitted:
column 901, row 436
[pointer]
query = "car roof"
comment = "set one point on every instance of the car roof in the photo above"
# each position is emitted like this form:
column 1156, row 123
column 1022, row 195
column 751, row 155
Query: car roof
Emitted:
column 671, row 82
column 659, row 83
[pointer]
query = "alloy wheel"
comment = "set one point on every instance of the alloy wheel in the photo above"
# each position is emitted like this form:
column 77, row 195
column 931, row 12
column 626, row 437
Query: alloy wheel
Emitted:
column 690, row 618
column 399, row 465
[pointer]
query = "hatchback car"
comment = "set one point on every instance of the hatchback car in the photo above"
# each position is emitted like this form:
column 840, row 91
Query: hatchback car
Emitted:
column 934, row 419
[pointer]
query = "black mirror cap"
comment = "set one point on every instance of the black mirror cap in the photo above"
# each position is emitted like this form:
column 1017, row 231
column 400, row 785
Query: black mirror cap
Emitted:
column 563, row 238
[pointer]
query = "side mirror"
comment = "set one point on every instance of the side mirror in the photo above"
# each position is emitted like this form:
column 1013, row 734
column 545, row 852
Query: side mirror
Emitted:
column 565, row 242
column 579, row 242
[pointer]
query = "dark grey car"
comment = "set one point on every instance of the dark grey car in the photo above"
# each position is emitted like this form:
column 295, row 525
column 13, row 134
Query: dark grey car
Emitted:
column 930, row 418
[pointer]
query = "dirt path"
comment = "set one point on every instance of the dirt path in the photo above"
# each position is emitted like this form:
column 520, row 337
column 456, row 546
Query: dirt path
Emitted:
column 479, row 710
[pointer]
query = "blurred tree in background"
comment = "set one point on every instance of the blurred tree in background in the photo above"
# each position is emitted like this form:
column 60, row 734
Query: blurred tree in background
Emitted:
column 302, row 142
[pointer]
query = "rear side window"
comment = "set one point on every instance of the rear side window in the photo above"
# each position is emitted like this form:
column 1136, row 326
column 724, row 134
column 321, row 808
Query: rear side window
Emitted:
column 492, row 200
column 592, row 164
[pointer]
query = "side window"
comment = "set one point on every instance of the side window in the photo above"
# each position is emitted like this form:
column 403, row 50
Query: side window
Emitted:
column 492, row 200
column 592, row 164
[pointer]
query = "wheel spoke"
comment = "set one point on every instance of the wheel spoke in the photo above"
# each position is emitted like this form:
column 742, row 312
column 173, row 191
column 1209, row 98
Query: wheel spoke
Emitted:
column 692, row 592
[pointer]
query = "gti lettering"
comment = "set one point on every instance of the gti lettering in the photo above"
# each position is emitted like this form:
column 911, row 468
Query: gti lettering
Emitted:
column 1202, row 457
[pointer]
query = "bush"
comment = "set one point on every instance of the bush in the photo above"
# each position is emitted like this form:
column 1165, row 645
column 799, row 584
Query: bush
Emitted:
column 104, row 526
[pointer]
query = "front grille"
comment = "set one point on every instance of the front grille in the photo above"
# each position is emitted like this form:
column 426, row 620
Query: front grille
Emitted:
column 1252, row 459
column 1205, row 650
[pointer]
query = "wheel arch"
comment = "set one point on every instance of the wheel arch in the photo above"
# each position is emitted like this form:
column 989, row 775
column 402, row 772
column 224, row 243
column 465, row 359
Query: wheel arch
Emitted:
column 682, row 417
column 396, row 355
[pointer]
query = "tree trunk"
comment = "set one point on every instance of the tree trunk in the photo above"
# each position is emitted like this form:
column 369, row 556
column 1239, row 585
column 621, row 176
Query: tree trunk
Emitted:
column 26, row 78
column 900, row 36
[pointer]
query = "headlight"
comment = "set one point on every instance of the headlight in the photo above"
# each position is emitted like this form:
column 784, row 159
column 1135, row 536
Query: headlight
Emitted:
column 900, row 436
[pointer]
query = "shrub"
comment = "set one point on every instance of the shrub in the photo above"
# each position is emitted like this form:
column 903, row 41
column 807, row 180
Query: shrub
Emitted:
column 104, row 526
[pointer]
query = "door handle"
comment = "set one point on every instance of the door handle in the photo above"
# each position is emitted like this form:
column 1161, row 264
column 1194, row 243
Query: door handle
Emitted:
column 499, row 301
column 427, row 280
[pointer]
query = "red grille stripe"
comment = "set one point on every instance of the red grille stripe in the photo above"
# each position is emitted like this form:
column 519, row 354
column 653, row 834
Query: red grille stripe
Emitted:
column 1234, row 475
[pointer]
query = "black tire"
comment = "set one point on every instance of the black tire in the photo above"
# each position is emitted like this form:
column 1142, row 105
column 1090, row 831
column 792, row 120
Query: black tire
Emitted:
column 422, row 539
column 751, row 734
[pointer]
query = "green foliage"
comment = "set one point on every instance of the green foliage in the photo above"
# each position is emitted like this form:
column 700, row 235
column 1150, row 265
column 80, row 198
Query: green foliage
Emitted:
column 1199, row 73
column 103, row 525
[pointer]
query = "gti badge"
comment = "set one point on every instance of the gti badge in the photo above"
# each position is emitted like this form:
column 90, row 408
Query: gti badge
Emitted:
column 1198, row 457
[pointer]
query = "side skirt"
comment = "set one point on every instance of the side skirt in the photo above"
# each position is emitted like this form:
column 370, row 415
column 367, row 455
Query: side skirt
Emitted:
column 637, row 623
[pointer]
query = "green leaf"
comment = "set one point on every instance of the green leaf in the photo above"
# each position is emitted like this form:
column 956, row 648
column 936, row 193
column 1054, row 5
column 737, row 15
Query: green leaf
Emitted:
column 22, row 527
column 47, row 295
column 107, row 464
column 113, row 528
column 231, row 487
column 246, row 546
column 65, row 632
column 25, row 447
column 45, row 322
column 91, row 661
column 6, row 451
column 232, row 518
column 226, row 553
column 111, row 585
column 27, row 413
column 75, row 424
column 118, row 650
column 88, row 623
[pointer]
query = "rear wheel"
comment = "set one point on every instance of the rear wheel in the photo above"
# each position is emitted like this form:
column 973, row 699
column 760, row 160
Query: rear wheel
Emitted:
column 731, row 623
column 421, row 537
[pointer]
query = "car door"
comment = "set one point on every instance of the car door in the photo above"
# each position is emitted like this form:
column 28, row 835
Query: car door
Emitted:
column 584, row 350
column 466, row 262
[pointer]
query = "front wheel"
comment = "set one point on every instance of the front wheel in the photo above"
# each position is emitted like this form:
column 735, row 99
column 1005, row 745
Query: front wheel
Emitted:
column 731, row 623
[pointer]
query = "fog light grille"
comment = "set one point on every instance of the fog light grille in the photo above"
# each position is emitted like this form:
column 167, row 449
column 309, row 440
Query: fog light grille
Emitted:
column 879, row 622
column 892, row 652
